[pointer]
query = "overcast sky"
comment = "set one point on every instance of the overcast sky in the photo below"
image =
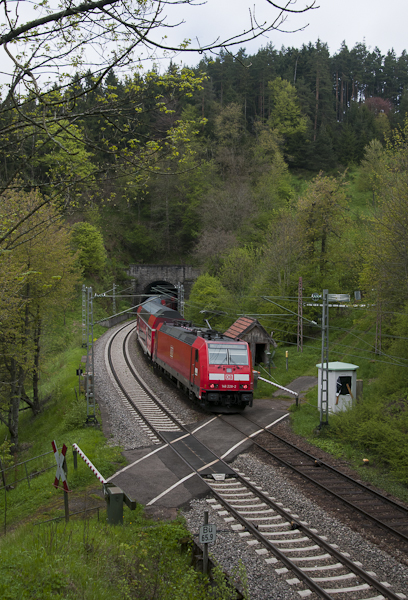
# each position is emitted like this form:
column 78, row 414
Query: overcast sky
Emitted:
column 381, row 23
column 377, row 22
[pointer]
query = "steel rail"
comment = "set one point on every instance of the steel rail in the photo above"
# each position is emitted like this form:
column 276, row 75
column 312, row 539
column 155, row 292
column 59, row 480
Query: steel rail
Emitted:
column 312, row 585
column 338, row 472
column 148, row 391
column 372, row 518
column 322, row 543
column 273, row 549
column 142, row 384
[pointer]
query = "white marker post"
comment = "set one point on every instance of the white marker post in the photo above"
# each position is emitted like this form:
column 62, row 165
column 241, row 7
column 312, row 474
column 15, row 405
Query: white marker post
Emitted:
column 208, row 535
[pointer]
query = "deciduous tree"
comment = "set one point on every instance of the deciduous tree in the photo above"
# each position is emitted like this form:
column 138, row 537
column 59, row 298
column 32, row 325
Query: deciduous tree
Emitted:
column 323, row 224
column 60, row 39
column 38, row 276
column 91, row 251
column 385, row 272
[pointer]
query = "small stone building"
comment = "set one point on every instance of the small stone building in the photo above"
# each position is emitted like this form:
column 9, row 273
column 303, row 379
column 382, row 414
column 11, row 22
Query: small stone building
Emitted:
column 251, row 331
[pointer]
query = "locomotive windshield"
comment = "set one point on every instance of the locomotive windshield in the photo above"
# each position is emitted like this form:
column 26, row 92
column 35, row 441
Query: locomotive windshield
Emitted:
column 231, row 354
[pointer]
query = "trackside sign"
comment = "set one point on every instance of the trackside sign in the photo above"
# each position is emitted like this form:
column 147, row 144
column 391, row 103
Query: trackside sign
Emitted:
column 60, row 474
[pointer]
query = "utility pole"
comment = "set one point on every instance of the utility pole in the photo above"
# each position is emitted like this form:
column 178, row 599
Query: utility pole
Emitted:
column 114, row 300
column 180, row 298
column 90, row 367
column 324, row 372
column 84, row 312
column 300, row 317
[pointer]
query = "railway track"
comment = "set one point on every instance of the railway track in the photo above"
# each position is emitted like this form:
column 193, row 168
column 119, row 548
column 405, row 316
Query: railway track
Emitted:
column 308, row 561
column 148, row 412
column 384, row 512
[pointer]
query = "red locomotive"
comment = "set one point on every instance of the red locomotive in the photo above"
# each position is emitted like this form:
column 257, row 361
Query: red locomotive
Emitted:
column 214, row 370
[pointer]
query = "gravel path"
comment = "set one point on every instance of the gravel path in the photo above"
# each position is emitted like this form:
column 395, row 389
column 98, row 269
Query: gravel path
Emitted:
column 264, row 582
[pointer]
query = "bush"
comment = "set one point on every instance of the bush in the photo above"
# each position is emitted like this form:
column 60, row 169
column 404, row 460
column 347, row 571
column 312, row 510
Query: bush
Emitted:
column 379, row 426
column 88, row 240
column 75, row 416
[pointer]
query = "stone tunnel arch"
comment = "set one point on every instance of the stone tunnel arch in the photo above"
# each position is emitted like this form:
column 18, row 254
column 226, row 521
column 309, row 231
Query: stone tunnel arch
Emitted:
column 146, row 276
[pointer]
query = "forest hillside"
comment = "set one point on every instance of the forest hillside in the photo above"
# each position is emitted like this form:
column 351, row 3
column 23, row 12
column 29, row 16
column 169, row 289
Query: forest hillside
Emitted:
column 261, row 170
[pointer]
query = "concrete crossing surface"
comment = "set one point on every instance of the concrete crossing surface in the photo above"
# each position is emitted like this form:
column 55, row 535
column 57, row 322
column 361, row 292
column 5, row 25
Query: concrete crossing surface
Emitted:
column 157, row 476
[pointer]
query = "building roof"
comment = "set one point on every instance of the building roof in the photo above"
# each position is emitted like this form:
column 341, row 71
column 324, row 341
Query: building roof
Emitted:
column 339, row 366
column 243, row 325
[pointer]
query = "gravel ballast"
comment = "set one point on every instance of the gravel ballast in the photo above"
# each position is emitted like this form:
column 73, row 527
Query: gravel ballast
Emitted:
column 264, row 583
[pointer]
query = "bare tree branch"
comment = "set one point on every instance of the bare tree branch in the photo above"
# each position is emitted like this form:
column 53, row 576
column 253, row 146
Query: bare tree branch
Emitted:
column 44, row 103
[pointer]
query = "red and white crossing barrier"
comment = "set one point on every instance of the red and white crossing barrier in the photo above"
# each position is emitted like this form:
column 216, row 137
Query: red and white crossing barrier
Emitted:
column 88, row 462
column 278, row 386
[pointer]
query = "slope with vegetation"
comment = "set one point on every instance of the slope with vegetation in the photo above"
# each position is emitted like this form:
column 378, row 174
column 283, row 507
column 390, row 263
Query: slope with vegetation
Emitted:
column 44, row 557
column 260, row 169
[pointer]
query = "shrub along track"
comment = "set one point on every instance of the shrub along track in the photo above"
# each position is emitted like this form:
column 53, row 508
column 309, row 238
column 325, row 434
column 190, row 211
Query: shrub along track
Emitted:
column 315, row 564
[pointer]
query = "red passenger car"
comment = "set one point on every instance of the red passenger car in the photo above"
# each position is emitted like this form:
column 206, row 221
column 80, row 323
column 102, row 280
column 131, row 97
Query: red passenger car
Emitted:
column 149, row 315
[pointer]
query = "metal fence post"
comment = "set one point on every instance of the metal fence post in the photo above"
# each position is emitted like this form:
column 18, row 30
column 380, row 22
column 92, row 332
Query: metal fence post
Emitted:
column 28, row 479
column 205, row 547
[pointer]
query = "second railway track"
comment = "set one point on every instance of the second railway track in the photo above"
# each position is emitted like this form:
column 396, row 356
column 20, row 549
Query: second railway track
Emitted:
column 390, row 516
column 310, row 562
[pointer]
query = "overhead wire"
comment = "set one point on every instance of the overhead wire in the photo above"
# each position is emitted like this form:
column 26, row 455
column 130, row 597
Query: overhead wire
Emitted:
column 347, row 348
column 393, row 359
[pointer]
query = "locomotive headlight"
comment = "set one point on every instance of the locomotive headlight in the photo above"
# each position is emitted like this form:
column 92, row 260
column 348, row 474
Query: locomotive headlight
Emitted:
column 243, row 386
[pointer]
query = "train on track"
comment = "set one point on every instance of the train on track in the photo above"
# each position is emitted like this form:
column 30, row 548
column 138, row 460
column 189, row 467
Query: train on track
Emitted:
column 214, row 370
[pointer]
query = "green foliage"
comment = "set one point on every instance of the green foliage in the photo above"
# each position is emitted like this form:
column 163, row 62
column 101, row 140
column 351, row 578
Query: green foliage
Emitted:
column 323, row 227
column 238, row 267
column 6, row 456
column 383, row 275
column 378, row 426
column 208, row 300
column 64, row 155
column 272, row 183
column 281, row 255
column 96, row 561
column 371, row 166
column 223, row 589
column 91, row 251
column 230, row 126
column 38, row 276
column 75, row 415
column 286, row 115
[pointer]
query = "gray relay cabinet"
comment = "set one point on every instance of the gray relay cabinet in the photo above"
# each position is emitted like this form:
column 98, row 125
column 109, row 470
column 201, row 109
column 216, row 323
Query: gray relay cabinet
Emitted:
column 342, row 382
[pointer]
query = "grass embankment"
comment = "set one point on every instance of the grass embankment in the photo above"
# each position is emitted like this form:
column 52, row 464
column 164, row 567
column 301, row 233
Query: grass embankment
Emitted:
column 375, row 427
column 89, row 559
column 84, row 558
